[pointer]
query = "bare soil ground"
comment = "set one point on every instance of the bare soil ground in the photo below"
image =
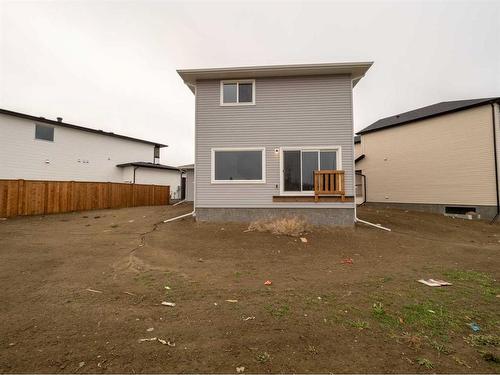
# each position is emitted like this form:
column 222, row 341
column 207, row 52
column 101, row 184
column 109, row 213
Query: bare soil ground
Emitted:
column 319, row 314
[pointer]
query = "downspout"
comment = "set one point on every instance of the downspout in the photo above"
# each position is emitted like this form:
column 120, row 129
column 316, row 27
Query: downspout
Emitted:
column 495, row 154
column 356, row 219
column 135, row 168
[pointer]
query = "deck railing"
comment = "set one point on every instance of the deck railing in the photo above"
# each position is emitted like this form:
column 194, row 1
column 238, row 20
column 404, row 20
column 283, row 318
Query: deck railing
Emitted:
column 329, row 182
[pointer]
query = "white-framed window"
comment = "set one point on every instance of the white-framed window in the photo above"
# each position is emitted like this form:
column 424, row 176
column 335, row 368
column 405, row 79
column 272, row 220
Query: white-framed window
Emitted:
column 297, row 166
column 237, row 92
column 244, row 165
column 44, row 132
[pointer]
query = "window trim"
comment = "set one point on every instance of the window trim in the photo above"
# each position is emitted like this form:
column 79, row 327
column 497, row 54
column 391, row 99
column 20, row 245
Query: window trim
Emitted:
column 45, row 140
column 237, row 81
column 230, row 182
column 337, row 149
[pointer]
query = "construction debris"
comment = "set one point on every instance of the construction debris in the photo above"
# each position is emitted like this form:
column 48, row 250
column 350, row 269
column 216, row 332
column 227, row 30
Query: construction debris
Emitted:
column 170, row 304
column 268, row 282
column 474, row 326
column 248, row 318
column 232, row 300
column 434, row 283
column 93, row 290
column 347, row 261
column 240, row 369
column 303, row 239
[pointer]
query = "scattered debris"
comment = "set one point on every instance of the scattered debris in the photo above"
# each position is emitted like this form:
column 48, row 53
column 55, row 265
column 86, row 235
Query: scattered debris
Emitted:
column 474, row 326
column 170, row 304
column 3, row 218
column 303, row 239
column 240, row 369
column 151, row 339
column 167, row 287
column 216, row 304
column 131, row 221
column 93, row 290
column 347, row 261
column 150, row 329
column 268, row 282
column 232, row 300
column 166, row 342
column 249, row 318
column 80, row 365
column 434, row 283
column 130, row 294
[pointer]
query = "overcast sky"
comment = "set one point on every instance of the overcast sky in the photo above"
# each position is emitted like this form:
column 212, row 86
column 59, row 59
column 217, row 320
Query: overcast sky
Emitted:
column 112, row 65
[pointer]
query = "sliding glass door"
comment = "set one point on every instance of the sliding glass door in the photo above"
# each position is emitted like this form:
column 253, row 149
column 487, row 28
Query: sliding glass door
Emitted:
column 299, row 166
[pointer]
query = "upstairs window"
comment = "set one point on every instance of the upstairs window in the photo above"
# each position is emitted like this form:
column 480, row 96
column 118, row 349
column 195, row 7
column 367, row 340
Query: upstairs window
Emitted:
column 241, row 92
column 44, row 132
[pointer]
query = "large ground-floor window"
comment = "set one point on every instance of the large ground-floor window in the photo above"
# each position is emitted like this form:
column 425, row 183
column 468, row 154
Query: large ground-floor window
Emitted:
column 238, row 165
column 299, row 164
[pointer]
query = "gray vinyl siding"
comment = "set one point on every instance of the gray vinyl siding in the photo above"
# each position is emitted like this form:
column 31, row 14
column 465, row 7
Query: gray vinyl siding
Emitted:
column 288, row 111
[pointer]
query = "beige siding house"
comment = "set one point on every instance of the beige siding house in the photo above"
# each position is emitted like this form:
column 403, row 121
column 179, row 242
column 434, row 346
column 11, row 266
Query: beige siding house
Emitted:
column 275, row 140
column 439, row 158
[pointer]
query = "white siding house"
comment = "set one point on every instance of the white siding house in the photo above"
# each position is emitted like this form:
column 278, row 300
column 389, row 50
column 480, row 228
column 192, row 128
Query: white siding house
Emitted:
column 35, row 148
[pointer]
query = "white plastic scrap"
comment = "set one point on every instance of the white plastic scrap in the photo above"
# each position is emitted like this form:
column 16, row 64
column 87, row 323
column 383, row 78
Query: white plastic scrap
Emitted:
column 170, row 304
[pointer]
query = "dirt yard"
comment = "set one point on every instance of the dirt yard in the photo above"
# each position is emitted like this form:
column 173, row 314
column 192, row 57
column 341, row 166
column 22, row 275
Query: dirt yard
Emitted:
column 80, row 290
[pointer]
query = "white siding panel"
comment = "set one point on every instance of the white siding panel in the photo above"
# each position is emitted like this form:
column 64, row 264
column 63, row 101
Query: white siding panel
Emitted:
column 74, row 155
column 289, row 111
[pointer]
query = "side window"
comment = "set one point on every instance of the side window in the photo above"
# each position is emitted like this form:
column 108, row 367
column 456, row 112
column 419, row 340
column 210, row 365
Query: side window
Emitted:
column 237, row 92
column 44, row 132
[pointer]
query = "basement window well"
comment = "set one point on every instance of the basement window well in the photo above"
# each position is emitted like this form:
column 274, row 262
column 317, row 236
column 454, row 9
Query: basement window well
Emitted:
column 458, row 210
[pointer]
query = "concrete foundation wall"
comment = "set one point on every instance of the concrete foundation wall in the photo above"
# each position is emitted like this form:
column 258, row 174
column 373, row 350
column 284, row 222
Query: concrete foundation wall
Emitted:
column 315, row 216
column 486, row 212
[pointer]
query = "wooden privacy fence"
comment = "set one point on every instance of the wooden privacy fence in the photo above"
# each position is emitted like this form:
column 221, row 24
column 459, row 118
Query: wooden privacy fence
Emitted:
column 30, row 197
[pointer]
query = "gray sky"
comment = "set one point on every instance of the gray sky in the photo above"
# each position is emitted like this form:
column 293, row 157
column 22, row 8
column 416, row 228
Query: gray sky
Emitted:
column 111, row 65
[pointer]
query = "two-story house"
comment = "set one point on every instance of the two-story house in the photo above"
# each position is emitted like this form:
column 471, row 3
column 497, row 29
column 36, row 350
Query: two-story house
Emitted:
column 275, row 141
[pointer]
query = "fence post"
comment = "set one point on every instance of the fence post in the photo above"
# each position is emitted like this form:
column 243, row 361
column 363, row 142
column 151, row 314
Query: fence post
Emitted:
column 20, row 196
column 109, row 194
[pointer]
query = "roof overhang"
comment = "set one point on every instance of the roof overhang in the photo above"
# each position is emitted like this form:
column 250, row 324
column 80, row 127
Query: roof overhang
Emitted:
column 355, row 69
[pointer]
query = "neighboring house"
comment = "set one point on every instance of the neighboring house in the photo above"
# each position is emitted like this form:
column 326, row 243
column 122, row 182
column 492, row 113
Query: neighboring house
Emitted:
column 187, row 192
column 440, row 158
column 35, row 148
column 275, row 141
column 357, row 146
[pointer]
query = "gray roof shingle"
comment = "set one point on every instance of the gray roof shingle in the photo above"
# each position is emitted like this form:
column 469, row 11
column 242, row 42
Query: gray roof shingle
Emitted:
column 426, row 112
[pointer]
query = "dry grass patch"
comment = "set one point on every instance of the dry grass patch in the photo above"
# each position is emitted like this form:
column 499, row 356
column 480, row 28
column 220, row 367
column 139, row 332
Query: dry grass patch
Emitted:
column 288, row 226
